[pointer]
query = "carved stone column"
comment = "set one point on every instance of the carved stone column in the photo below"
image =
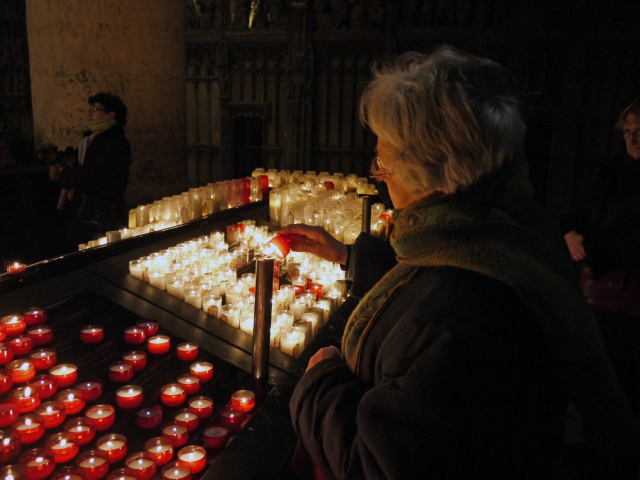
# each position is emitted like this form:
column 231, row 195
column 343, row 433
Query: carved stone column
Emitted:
column 135, row 49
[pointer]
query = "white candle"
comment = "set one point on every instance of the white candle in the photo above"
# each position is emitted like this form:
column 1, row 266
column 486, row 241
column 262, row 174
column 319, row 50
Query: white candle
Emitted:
column 298, row 308
column 176, row 289
column 92, row 462
column 140, row 463
column 290, row 344
column 193, row 297
column 313, row 319
column 191, row 456
column 157, row 280
column 111, row 445
column 246, row 325
column 186, row 416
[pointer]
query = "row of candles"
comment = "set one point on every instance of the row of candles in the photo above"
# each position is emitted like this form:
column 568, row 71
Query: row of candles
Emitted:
column 64, row 446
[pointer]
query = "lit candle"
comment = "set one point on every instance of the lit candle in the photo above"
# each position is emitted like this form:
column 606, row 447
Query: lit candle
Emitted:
column 9, row 413
column 157, row 279
column 137, row 268
column 159, row 344
column 216, row 436
column 94, row 464
column 16, row 267
column 69, row 473
column 135, row 335
column 189, row 382
column 279, row 247
column 82, row 427
column 149, row 417
column 53, row 413
column 92, row 334
column 246, row 325
column 141, row 465
column 178, row 470
column 73, row 400
column 231, row 419
column 6, row 353
column 21, row 370
column 173, row 395
column 201, row 406
column 114, row 445
column 129, row 396
column 14, row 324
column 150, row 327
column 25, row 398
column 203, row 369
column 178, row 434
column 187, row 351
column 64, row 374
column 63, row 446
column 243, row 400
column 38, row 464
column 21, row 345
column 6, row 381
column 9, row 445
column 28, row 428
column 121, row 372
column 121, row 474
column 314, row 319
column 44, row 386
column 194, row 455
column 298, row 308
column 186, row 418
column 176, row 288
column 138, row 360
column 230, row 314
column 160, row 448
column 35, row 316
column 44, row 359
column 92, row 389
column 40, row 335
column 103, row 415
column 290, row 344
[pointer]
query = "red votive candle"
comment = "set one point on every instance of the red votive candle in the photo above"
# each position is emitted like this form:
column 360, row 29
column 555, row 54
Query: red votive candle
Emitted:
column 6, row 381
column 186, row 418
column 21, row 370
column 279, row 247
column 64, row 374
column 41, row 335
column 37, row 463
column 129, row 396
column 231, row 419
column 69, row 473
column 243, row 400
column 160, row 448
column 150, row 327
column 203, row 369
column 102, row 415
column 82, row 427
column 43, row 385
column 178, row 470
column 25, row 398
column 94, row 464
column 190, row 383
column 73, row 400
column 21, row 345
column 92, row 389
column 141, row 465
column 92, row 334
column 201, row 406
column 135, row 335
column 149, row 417
column 28, row 428
column 187, row 351
column 3, row 332
column 44, row 359
column 159, row 344
column 194, row 455
column 9, row 446
column 173, row 395
column 121, row 474
column 9, row 413
column 138, row 360
column 6, row 353
column 114, row 445
column 53, row 413
column 215, row 436
column 63, row 446
column 35, row 316
column 14, row 324
column 178, row 434
column 120, row 372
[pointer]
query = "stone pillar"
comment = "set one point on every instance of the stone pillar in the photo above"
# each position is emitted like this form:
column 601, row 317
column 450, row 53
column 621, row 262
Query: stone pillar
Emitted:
column 135, row 49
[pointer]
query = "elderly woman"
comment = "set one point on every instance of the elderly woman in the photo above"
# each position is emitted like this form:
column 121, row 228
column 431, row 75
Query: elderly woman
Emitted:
column 461, row 360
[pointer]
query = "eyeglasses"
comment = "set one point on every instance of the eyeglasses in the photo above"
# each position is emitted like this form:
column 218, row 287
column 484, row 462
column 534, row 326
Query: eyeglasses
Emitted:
column 635, row 134
column 96, row 109
column 378, row 172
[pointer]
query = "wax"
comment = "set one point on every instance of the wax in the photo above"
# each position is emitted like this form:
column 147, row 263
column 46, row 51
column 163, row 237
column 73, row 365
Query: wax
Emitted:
column 201, row 406
column 203, row 369
column 63, row 446
column 82, row 427
column 195, row 456
column 53, row 413
column 103, row 415
column 178, row 434
column 64, row 374
column 160, row 448
column 138, row 360
column 216, row 436
column 114, row 445
column 129, row 396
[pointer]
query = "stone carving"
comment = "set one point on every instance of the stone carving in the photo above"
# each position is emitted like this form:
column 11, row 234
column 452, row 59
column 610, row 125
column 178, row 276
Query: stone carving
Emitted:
column 240, row 13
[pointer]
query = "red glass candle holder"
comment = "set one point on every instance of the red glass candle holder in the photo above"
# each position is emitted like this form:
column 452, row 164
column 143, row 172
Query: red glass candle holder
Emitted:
column 37, row 463
column 149, row 417
column 190, row 383
column 231, row 419
column 14, row 324
column 82, row 427
column 73, row 400
column 63, row 446
column 243, row 400
column 135, row 335
column 159, row 344
column 64, row 374
column 94, row 464
column 91, row 389
column 141, row 465
column 215, row 436
column 6, row 381
column 178, row 434
column 44, row 358
column 114, row 445
column 53, row 413
column 138, row 360
column 28, row 428
column 150, row 327
column 173, row 395
column 186, row 418
column 187, row 351
column 203, row 369
column 316, row 288
column 278, row 247
column 9, row 413
column 120, row 372
column 35, row 316
column 129, row 396
column 43, row 385
column 121, row 474
column 21, row 370
column 26, row 398
column 3, row 332
column 92, row 334
column 69, row 473
column 177, row 470
column 9, row 446
column 160, row 448
column 201, row 406
column 103, row 415
column 21, row 344
column 194, row 455
column 6, row 353
column 41, row 335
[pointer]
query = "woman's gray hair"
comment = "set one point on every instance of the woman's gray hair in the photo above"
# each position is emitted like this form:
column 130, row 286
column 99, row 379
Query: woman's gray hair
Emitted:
column 450, row 116
column 632, row 109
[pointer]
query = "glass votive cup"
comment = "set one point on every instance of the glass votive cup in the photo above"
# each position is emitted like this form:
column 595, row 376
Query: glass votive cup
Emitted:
column 82, row 427
column 243, row 400
column 94, row 464
column 201, row 406
column 160, row 448
column 215, row 436
column 73, row 400
column 186, row 418
column 40, row 334
column 135, row 335
column 44, row 358
column 150, row 327
column 53, row 413
column 187, row 351
column 194, row 455
column 92, row 334
column 202, row 369
column 21, row 370
column 173, row 395
column 149, row 417
column 231, row 419
column 9, row 445
column 28, row 428
column 137, row 359
column 159, row 344
column 120, row 372
column 92, row 389
column 121, row 474
column 177, row 470
column 141, row 464
column 63, row 446
column 43, row 385
column 14, row 324
column 9, row 413
column 178, row 434
column 104, row 416
column 26, row 398
column 129, row 396
column 64, row 374
column 6, row 353
column 6, row 380
column 38, row 464
column 21, row 345
column 114, row 445
column 35, row 316
column 189, row 382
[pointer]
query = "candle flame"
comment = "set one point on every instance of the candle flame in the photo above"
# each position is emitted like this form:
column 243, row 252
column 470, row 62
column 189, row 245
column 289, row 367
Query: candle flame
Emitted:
column 63, row 442
column 27, row 392
column 38, row 459
column 109, row 444
column 25, row 366
column 63, row 370
column 27, row 422
column 159, row 448
column 70, row 398
column 91, row 460
column 6, row 441
column 100, row 413
column 131, row 391
column 49, row 410
column 191, row 457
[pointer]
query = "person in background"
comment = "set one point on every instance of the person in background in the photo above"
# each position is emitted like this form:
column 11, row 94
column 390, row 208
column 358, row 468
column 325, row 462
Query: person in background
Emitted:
column 460, row 361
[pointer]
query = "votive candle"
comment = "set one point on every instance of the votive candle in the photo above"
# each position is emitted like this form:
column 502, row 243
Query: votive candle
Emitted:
column 38, row 464
column 82, row 427
column 41, row 335
column 44, row 358
column 194, row 455
column 25, row 398
column 120, row 372
column 203, row 369
column 92, row 389
column 186, row 418
column 243, row 400
column 64, row 374
column 149, row 417
column 35, row 316
column 6, row 380
column 201, row 406
column 160, row 448
column 129, row 396
column 187, row 351
column 43, row 385
column 63, row 446
column 9, row 446
column 135, row 335
column 9, row 413
column 178, row 434
column 173, row 395
column 53, row 413
column 190, row 383
column 92, row 334
column 150, row 327
column 231, row 419
column 138, row 360
column 216, row 436
column 177, row 470
column 69, row 473
column 21, row 370
column 141, row 465
column 121, row 474
column 159, row 344
column 28, row 428
column 21, row 345
column 73, row 400
column 14, row 324
column 114, row 445
column 103, row 415
column 94, row 464
column 6, row 353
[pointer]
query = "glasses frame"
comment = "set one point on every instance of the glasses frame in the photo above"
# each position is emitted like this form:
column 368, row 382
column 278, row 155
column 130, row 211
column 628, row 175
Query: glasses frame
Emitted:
column 96, row 109
column 376, row 168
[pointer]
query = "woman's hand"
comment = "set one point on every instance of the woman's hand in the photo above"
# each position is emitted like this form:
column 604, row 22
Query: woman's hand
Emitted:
column 324, row 354
column 315, row 240
column 575, row 242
